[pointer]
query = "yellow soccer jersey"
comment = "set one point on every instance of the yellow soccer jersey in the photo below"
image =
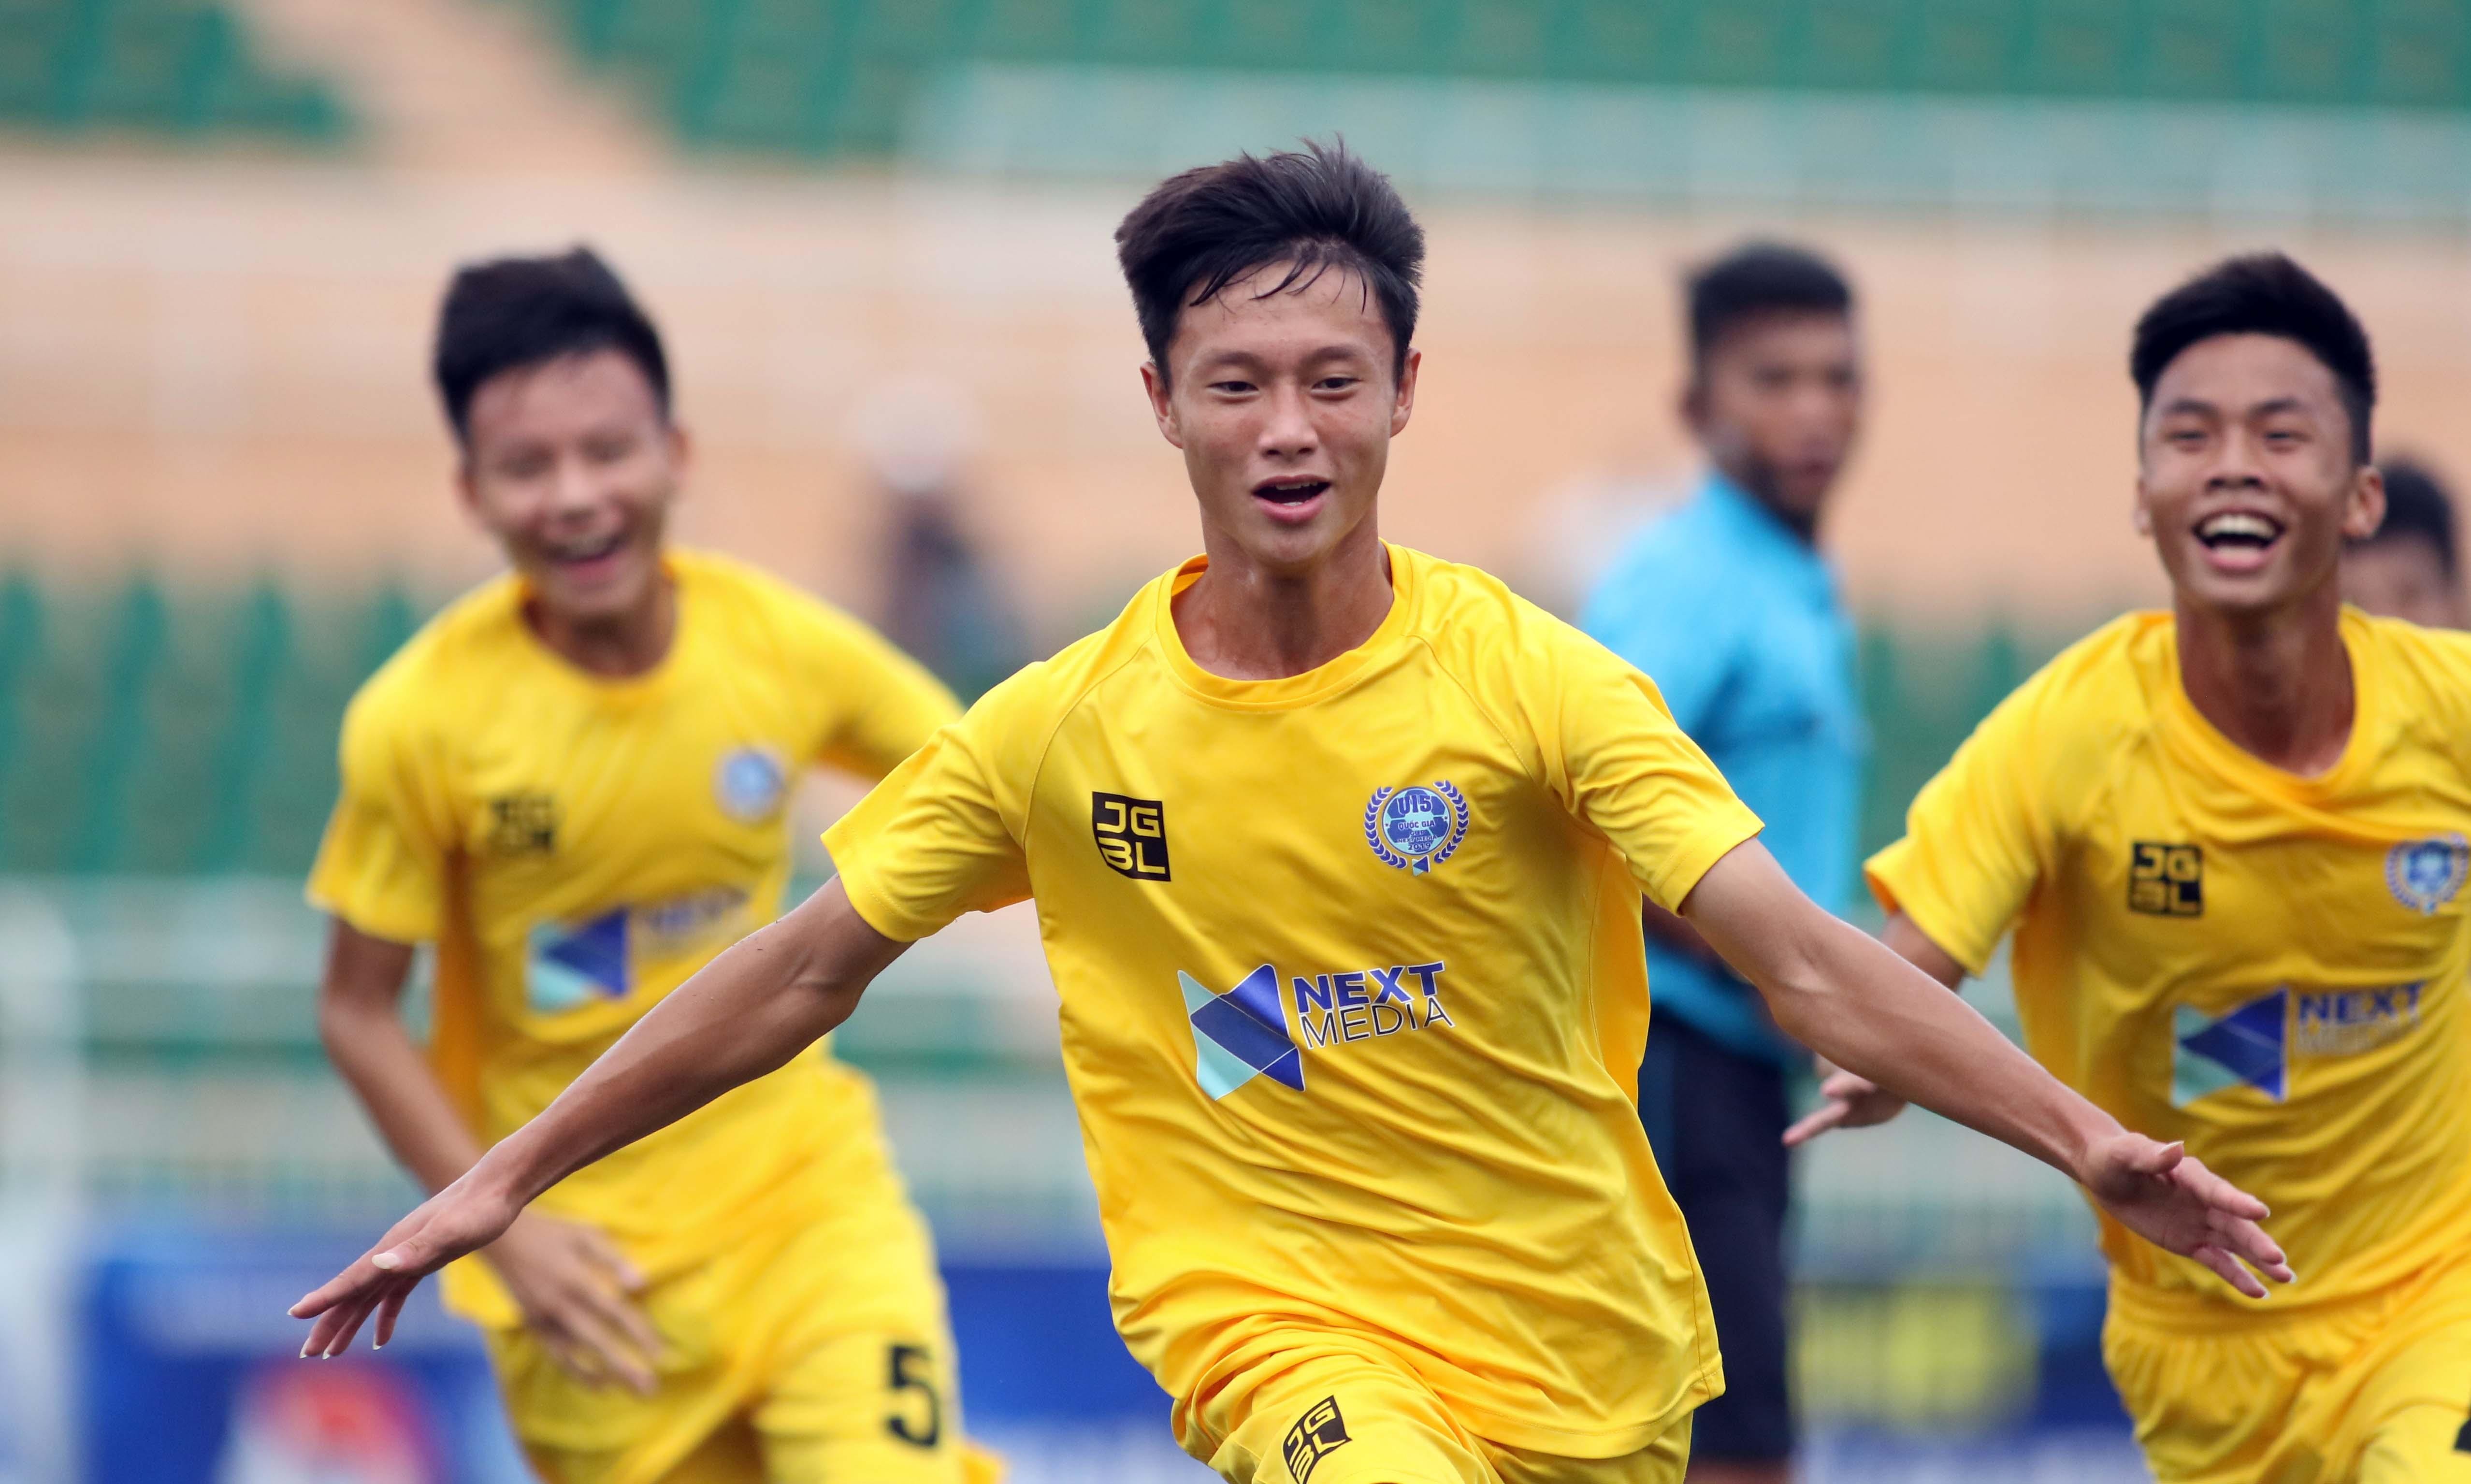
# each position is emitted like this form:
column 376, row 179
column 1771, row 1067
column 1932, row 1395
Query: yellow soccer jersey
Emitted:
column 1352, row 992
column 577, row 846
column 2266, row 966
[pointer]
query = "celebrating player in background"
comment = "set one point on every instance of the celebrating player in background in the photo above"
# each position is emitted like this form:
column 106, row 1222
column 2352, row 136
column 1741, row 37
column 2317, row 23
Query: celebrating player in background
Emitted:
column 2231, row 840
column 1729, row 604
column 574, row 782
column 2408, row 569
column 1337, row 851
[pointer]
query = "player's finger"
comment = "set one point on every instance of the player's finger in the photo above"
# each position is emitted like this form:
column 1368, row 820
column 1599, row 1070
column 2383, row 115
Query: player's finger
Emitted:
column 360, row 1312
column 1813, row 1124
column 607, row 1253
column 2220, row 1193
column 389, row 1310
column 334, row 1291
column 610, row 1352
column 2229, row 1269
column 1846, row 1085
column 2148, row 1158
column 2250, row 1243
column 330, row 1323
column 622, row 1320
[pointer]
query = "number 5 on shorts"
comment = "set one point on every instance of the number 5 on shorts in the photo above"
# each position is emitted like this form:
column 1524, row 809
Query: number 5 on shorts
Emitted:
column 918, row 1408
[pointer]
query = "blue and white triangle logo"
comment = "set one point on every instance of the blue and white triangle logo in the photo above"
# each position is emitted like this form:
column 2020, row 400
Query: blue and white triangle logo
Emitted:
column 2246, row 1047
column 1241, row 1034
column 574, row 964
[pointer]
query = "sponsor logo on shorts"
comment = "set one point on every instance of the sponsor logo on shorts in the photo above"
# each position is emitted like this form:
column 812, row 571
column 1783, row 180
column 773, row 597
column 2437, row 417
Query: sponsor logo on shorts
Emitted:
column 2424, row 875
column 1131, row 834
column 2166, row 880
column 1316, row 1435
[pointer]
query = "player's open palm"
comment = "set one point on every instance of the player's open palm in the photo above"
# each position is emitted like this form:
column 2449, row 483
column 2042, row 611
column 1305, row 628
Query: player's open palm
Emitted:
column 2172, row 1200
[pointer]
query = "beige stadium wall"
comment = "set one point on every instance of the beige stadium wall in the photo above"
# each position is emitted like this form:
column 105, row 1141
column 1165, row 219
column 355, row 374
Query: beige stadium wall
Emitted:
column 217, row 365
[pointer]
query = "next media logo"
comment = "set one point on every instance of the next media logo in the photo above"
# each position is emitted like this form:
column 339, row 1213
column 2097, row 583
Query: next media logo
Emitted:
column 1241, row 1033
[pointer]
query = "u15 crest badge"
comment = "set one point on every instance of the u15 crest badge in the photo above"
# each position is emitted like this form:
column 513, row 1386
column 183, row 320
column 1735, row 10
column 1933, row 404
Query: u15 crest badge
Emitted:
column 1416, row 827
column 2424, row 875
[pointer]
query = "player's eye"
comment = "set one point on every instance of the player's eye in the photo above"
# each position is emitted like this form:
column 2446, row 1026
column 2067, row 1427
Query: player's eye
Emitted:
column 1232, row 388
column 608, row 450
column 1335, row 383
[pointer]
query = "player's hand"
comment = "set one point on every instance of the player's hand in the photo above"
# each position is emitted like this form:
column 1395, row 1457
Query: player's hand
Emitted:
column 461, row 1218
column 1851, row 1102
column 2172, row 1200
column 574, row 1287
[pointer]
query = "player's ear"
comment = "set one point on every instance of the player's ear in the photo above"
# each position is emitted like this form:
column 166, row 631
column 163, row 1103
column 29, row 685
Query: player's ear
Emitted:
column 2364, row 508
column 2143, row 516
column 1403, row 407
column 1161, row 402
column 681, row 446
column 1692, row 405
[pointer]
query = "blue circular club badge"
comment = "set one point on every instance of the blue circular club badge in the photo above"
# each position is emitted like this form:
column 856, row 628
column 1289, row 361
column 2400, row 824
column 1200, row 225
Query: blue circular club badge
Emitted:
column 749, row 784
column 2424, row 875
column 1416, row 827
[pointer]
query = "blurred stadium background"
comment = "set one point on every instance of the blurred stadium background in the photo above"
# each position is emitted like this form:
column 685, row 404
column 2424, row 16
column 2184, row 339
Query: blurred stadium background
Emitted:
column 876, row 232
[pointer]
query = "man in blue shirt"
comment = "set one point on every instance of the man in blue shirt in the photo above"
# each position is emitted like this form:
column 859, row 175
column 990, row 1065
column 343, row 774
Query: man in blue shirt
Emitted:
column 1728, row 605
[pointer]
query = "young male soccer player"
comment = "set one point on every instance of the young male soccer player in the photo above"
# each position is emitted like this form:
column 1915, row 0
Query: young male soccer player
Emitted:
column 2408, row 569
column 2231, row 840
column 1730, row 604
column 573, row 782
column 1337, row 851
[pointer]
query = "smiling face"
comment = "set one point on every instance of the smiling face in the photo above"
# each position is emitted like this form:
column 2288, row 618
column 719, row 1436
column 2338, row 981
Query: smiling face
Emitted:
column 572, row 465
column 1284, row 407
column 2247, row 482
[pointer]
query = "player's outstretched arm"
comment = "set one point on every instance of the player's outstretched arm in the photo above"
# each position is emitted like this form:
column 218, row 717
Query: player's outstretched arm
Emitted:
column 761, row 1002
column 1849, row 1101
column 1847, row 997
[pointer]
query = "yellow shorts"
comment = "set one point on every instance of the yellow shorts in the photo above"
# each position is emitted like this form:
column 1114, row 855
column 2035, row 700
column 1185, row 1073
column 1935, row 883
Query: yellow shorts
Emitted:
column 815, row 1356
column 1344, row 1417
column 2372, row 1391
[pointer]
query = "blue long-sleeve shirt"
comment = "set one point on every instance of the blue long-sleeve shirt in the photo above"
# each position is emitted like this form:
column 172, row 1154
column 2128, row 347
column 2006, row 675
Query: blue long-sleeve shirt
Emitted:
column 1739, row 623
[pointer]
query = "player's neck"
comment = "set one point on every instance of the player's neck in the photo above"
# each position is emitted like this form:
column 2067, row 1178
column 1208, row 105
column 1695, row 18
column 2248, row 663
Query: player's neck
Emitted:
column 614, row 647
column 2279, row 685
column 1243, row 622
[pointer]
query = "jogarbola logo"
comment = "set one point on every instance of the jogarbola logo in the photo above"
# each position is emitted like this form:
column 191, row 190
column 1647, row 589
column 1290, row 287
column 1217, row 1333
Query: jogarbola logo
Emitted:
column 2165, row 880
column 2424, row 875
column 522, row 824
column 1316, row 1435
column 1415, row 828
column 1131, row 834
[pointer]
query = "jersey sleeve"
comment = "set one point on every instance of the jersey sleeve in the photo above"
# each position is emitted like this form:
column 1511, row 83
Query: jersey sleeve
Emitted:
column 1620, row 763
column 942, row 834
column 1974, row 840
column 886, row 704
column 381, row 865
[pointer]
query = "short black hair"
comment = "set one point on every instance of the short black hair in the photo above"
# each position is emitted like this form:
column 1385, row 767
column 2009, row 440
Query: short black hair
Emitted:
column 2417, row 509
column 1313, row 209
column 515, row 312
column 1754, row 280
column 2261, row 293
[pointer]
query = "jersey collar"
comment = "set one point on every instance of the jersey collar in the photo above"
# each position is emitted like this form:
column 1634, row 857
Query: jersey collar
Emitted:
column 1289, row 691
